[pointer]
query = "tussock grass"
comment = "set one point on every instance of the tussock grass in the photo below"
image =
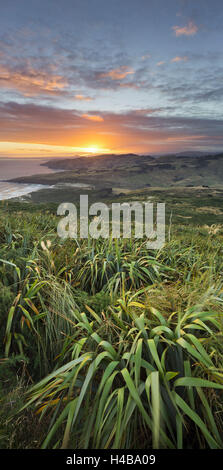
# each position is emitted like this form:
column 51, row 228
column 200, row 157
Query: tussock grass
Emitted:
column 117, row 346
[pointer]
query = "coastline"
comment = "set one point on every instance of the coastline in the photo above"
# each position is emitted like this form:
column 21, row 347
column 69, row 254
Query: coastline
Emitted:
column 12, row 169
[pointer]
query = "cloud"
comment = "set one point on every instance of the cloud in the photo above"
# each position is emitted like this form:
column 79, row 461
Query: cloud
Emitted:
column 30, row 81
column 93, row 117
column 146, row 56
column 162, row 62
column 210, row 95
column 117, row 74
column 180, row 59
column 140, row 129
column 83, row 98
column 133, row 85
column 196, row 91
column 189, row 30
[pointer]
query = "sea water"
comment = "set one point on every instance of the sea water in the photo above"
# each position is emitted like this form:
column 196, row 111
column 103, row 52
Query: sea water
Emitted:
column 11, row 168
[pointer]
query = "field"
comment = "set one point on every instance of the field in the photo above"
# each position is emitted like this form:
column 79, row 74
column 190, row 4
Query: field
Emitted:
column 105, row 344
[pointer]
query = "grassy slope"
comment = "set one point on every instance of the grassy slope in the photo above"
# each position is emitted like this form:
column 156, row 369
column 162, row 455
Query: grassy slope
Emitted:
column 57, row 298
column 188, row 206
column 64, row 294
column 135, row 172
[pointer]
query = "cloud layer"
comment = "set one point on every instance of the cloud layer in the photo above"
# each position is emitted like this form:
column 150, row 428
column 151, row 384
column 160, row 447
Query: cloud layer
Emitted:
column 145, row 129
column 120, row 74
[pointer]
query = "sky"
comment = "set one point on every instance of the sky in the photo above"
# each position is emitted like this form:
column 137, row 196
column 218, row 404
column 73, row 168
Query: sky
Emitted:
column 79, row 77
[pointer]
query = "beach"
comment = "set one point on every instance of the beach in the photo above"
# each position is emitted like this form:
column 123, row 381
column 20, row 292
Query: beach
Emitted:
column 15, row 167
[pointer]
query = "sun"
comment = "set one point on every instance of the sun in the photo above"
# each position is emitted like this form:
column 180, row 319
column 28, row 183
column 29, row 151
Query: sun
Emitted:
column 93, row 149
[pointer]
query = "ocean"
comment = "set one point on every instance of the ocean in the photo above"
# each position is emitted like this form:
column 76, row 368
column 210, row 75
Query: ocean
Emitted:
column 15, row 167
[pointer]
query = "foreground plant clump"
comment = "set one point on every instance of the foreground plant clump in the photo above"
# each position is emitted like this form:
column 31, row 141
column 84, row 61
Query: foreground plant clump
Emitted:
column 105, row 344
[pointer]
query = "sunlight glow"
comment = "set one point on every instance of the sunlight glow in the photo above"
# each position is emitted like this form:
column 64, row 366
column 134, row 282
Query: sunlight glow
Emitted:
column 24, row 149
column 92, row 149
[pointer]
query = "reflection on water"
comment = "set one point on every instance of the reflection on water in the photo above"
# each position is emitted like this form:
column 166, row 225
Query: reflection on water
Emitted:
column 14, row 168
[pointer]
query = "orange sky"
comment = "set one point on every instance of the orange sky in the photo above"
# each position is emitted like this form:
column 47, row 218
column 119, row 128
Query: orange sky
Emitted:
column 99, row 77
column 34, row 130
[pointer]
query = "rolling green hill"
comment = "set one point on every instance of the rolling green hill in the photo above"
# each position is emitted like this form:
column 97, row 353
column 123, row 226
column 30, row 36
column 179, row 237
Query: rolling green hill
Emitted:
column 132, row 171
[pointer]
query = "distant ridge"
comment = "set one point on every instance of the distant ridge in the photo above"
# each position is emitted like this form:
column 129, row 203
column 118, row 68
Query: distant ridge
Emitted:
column 132, row 171
column 189, row 153
column 97, row 161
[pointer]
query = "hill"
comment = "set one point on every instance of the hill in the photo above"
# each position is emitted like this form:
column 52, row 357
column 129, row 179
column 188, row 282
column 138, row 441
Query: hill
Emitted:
column 130, row 171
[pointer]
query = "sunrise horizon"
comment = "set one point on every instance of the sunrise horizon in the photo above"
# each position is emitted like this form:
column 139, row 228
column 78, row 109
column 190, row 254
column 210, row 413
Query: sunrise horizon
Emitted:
column 96, row 80
column 70, row 152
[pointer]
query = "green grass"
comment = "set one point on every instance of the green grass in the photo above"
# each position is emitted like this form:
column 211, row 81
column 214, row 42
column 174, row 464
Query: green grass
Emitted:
column 105, row 344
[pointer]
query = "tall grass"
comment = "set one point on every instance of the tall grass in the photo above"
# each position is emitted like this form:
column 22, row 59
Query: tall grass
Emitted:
column 123, row 346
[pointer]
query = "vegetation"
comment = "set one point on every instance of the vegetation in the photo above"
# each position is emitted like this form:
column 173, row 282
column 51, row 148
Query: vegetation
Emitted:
column 105, row 344
column 107, row 171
